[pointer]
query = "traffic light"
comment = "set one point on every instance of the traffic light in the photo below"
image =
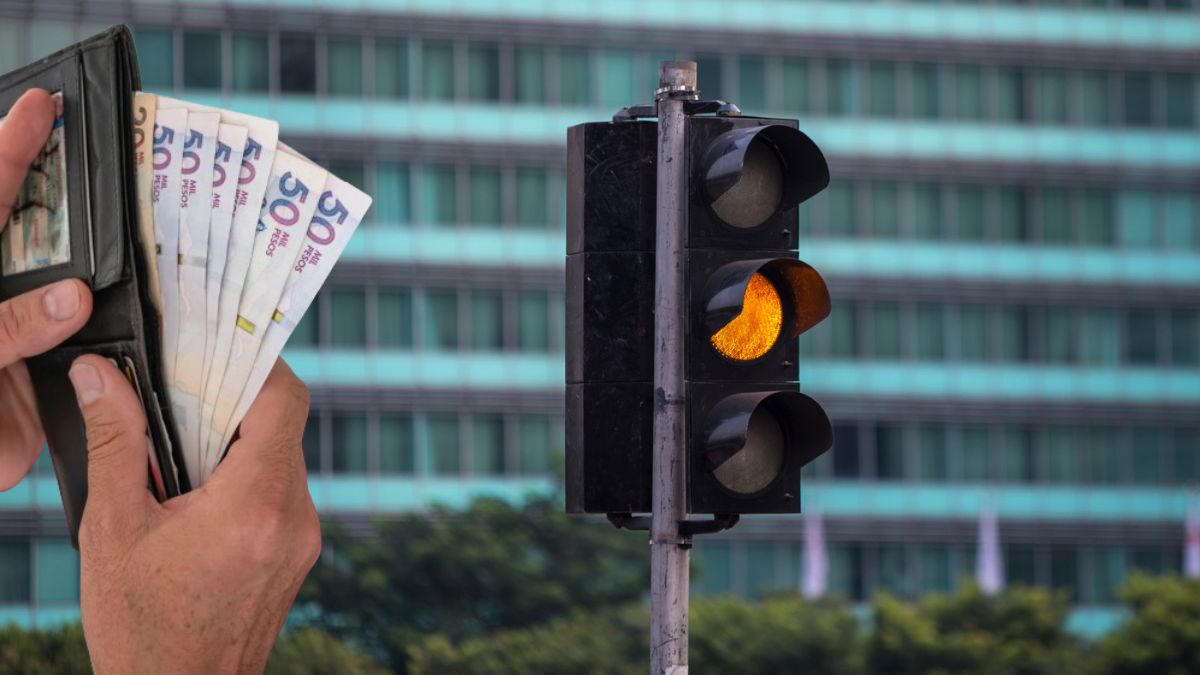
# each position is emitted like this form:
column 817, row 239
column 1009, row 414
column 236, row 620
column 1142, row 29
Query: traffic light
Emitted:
column 749, row 429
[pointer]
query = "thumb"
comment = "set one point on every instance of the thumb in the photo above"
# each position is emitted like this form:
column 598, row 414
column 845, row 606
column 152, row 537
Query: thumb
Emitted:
column 116, row 438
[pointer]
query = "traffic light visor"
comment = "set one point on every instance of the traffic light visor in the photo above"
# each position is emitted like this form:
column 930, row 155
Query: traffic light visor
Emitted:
column 752, row 173
column 752, row 303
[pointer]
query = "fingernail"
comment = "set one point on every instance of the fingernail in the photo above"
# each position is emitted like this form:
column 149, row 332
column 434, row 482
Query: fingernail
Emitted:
column 87, row 383
column 61, row 300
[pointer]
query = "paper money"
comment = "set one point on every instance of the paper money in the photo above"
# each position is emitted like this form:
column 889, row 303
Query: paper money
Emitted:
column 145, row 109
column 38, row 233
column 292, row 194
column 169, row 128
column 195, row 209
column 339, row 211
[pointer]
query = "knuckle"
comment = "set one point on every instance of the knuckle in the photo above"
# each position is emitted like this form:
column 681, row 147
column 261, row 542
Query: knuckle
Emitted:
column 13, row 322
column 104, row 436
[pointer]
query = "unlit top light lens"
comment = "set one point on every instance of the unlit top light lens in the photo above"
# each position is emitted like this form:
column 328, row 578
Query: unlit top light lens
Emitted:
column 755, row 197
column 753, row 332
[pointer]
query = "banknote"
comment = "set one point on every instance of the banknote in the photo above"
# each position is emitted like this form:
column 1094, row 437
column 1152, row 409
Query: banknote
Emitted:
column 38, row 233
column 339, row 211
column 145, row 108
column 294, row 188
column 169, row 127
column 195, row 209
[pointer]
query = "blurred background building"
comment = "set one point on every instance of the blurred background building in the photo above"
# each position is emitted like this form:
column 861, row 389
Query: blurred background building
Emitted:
column 1012, row 239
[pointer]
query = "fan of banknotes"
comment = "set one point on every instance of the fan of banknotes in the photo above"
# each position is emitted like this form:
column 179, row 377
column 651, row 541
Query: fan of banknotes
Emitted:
column 244, row 231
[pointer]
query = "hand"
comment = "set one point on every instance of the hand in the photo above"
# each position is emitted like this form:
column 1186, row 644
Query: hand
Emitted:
column 203, row 582
column 35, row 321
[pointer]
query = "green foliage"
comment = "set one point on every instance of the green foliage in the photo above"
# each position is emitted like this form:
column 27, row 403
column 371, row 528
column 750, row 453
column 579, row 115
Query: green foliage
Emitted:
column 783, row 634
column 59, row 651
column 467, row 573
column 311, row 652
column 1163, row 634
column 1020, row 632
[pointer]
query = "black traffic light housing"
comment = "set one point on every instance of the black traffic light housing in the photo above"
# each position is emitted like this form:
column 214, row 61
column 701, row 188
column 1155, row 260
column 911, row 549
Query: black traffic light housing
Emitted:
column 750, row 430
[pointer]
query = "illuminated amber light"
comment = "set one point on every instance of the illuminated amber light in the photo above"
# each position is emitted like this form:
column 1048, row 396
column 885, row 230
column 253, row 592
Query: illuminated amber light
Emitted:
column 753, row 332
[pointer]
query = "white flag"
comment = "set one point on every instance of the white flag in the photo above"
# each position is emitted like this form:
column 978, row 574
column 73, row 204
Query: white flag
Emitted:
column 989, row 566
column 816, row 560
column 1191, row 551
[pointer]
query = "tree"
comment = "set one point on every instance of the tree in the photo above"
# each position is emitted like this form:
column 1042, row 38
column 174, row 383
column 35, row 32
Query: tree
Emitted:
column 468, row 573
column 58, row 651
column 311, row 652
column 1020, row 632
column 1162, row 635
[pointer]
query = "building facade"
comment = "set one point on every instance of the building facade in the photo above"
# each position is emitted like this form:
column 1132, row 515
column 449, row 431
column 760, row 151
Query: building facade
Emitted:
column 1012, row 240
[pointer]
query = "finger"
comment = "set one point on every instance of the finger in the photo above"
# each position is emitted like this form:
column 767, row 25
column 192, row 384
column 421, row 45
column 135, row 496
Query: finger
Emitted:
column 21, row 436
column 23, row 134
column 116, row 438
column 33, row 322
column 268, row 444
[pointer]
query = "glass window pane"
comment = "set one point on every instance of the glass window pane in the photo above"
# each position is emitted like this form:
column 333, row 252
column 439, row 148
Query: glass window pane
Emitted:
column 394, row 318
column 1013, row 336
column 1064, row 570
column 715, row 568
column 973, row 333
column 936, row 575
column 1181, row 100
column 708, row 76
column 841, row 97
column 841, row 209
column 307, row 331
column 487, row 321
column 846, row 571
column 968, row 92
column 533, row 324
column 250, row 63
column 531, row 196
column 349, row 443
column 351, row 171
column 391, row 69
column 297, row 64
column 487, row 445
column 1141, row 332
column 347, row 317
column 970, row 213
column 345, row 66
column 889, row 452
column 1137, row 218
column 483, row 72
column 1187, row 456
column 617, row 78
column 1138, row 100
column 533, row 434
column 1059, row 328
column 1146, row 446
column 931, row 332
column 437, row 70
column 926, row 91
column 485, row 195
column 156, row 57
column 439, row 198
column 1062, row 458
column 843, row 333
column 1101, row 460
column 760, row 568
column 574, row 76
column 14, row 571
column 1010, row 95
column 395, row 444
column 392, row 204
column 443, row 454
column 846, row 461
column 441, row 318
column 1096, row 217
column 1020, row 566
column 752, row 84
column 886, row 330
column 1052, row 97
column 1185, row 337
column 1094, row 106
column 893, row 570
column 927, row 209
column 1016, row 455
column 530, row 75
column 931, row 449
column 1010, row 214
column 794, row 94
column 1100, row 342
column 57, row 571
column 882, row 89
column 1055, row 216
column 1181, row 220
column 976, row 457
column 885, row 209
column 311, row 443
column 202, row 59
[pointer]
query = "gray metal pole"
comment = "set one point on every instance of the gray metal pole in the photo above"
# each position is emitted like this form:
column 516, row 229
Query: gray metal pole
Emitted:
column 668, row 555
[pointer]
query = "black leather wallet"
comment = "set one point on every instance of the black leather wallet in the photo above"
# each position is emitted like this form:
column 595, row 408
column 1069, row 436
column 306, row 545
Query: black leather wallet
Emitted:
column 96, row 79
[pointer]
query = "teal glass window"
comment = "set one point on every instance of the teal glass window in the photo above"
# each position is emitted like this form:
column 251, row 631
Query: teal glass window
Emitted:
column 885, row 331
column 1061, row 337
column 973, row 333
column 533, row 433
column 881, row 89
column 393, row 202
column 533, row 323
column 1010, row 214
column 345, row 65
column 894, row 570
column 1064, row 570
column 885, row 209
column 841, row 96
column 927, row 211
column 349, row 443
column 976, row 455
column 969, row 212
column 846, row 571
column 931, row 331
column 1100, row 331
column 1181, row 100
column 1137, row 218
column 926, row 91
column 1016, row 455
column 202, row 59
column 1141, row 334
column 485, row 196
column 760, row 568
column 395, row 444
column 1054, row 215
column 1139, row 108
column 1094, row 103
column 1150, row 560
column 841, row 208
column 444, row 449
column 1096, row 217
column 574, row 76
column 1107, row 574
column 708, row 76
column 1103, row 461
column 441, row 318
column 889, row 452
column 57, row 571
column 351, row 171
column 156, row 57
column 483, row 72
column 487, row 445
column 307, row 332
column 752, row 84
column 297, row 64
column 1052, row 97
column 1186, row 444
column 14, row 571
column 437, row 70
column 794, row 97
column 1013, row 334
column 937, row 576
column 968, row 92
column 439, row 198
column 251, row 66
column 1020, row 565
column 311, row 443
column 843, row 331
column 391, row 68
column 846, row 461
column 532, row 204
column 1185, row 337
column 1181, row 220
column 715, row 569
column 347, row 317
column 529, row 78
column 1145, row 449
column 1010, row 95
column 931, row 452
column 487, row 321
column 394, row 318
column 1061, row 456
column 617, row 78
